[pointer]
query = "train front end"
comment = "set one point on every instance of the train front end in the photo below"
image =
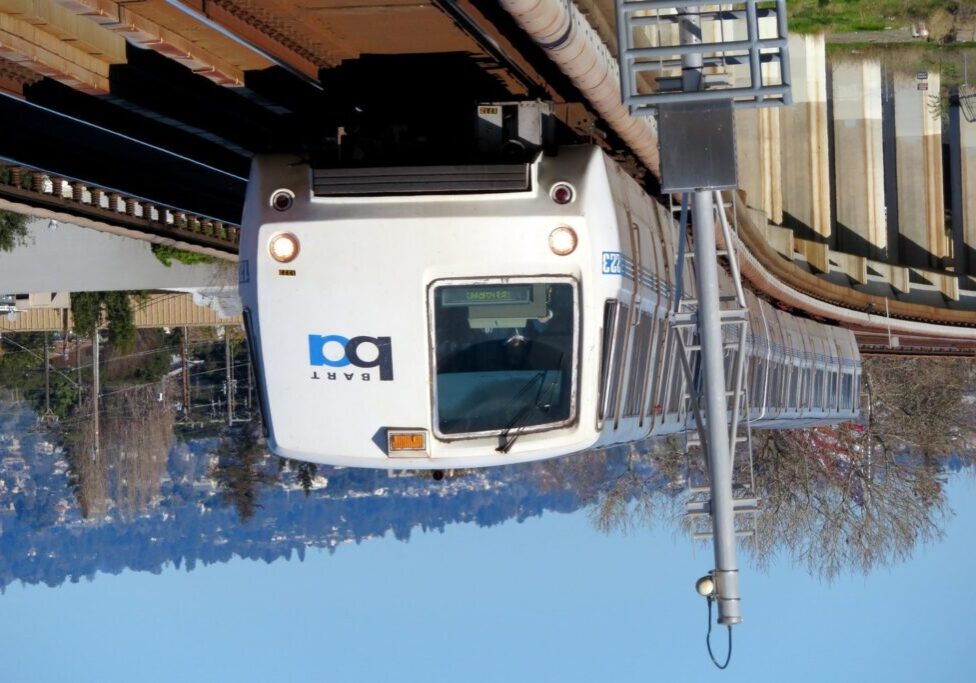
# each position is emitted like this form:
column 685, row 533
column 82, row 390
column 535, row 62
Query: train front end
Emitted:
column 421, row 318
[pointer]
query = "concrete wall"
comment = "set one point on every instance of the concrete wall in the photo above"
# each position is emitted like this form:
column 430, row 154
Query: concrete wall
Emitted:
column 918, row 156
column 859, row 158
column 73, row 259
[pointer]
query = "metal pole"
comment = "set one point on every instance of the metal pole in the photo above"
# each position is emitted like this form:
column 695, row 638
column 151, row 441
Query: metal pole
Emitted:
column 96, row 390
column 689, row 25
column 78, row 364
column 185, row 360
column 726, row 572
column 227, row 379
column 47, row 378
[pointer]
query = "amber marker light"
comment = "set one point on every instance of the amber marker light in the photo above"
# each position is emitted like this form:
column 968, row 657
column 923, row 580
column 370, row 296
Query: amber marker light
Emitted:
column 283, row 247
column 407, row 441
column 562, row 241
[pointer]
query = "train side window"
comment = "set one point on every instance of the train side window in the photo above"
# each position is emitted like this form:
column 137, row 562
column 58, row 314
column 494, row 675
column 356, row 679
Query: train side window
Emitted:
column 639, row 362
column 791, row 399
column 807, row 387
column 847, row 391
column 758, row 379
column 663, row 359
column 775, row 387
column 832, row 392
column 818, row 392
column 614, row 341
column 729, row 361
column 609, row 321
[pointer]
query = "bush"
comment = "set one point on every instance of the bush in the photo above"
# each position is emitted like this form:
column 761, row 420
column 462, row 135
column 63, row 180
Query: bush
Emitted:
column 13, row 230
column 169, row 254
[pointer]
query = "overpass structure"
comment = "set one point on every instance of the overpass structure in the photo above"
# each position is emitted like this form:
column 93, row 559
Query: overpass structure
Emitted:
column 146, row 113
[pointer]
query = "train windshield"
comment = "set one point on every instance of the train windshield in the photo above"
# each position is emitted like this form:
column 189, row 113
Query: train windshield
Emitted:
column 504, row 356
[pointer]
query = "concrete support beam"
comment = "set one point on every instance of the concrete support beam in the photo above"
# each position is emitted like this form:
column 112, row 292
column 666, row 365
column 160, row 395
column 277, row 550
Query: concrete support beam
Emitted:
column 805, row 156
column 896, row 276
column 781, row 239
column 854, row 267
column 859, row 162
column 918, row 144
column 816, row 254
column 759, row 162
column 947, row 284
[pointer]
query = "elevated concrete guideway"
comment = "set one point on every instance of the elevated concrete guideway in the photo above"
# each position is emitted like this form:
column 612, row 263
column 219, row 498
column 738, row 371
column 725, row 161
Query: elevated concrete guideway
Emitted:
column 863, row 194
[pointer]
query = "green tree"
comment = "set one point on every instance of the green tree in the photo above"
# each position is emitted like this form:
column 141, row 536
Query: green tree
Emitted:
column 121, row 323
column 86, row 312
column 241, row 472
column 13, row 230
column 89, row 309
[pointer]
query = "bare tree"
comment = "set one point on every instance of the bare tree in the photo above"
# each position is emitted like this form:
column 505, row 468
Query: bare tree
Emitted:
column 843, row 498
column 627, row 487
column 844, row 503
column 123, row 465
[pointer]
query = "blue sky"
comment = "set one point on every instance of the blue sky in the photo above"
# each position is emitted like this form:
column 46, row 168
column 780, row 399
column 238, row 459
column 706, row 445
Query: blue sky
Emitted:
column 550, row 599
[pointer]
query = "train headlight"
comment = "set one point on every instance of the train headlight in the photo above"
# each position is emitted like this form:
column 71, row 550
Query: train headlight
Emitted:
column 562, row 193
column 283, row 247
column 562, row 241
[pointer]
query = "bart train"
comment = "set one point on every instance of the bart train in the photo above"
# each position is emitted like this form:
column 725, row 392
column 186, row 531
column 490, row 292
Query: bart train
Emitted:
column 468, row 316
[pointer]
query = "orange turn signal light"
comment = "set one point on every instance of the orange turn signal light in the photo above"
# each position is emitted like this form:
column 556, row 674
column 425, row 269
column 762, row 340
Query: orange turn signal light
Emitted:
column 404, row 440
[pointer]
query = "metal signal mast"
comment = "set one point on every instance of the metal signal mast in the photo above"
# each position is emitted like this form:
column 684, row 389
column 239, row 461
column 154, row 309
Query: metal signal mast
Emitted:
column 690, row 65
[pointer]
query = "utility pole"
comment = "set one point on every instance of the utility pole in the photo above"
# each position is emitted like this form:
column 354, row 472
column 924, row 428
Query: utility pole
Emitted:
column 78, row 366
column 184, row 361
column 96, row 390
column 250, row 381
column 47, row 378
column 228, row 380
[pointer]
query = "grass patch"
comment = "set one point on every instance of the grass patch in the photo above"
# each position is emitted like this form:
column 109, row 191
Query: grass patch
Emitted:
column 949, row 61
column 849, row 16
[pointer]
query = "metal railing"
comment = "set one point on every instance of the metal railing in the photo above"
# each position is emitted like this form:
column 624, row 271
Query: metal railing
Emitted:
column 40, row 189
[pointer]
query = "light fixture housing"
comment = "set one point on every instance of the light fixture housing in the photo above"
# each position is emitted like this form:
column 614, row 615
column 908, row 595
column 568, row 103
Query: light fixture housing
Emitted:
column 705, row 586
column 562, row 193
column 563, row 241
column 406, row 442
column 283, row 247
column 282, row 200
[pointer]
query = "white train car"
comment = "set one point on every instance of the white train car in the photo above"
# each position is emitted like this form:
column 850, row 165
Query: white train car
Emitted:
column 440, row 317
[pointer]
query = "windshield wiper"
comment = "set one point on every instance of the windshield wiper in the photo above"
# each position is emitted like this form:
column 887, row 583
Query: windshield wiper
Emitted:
column 540, row 403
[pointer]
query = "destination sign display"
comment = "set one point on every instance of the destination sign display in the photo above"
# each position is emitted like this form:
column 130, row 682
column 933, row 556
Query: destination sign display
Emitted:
column 486, row 295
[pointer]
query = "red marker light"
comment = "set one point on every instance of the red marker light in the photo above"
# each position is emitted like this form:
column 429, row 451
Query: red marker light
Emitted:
column 562, row 193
